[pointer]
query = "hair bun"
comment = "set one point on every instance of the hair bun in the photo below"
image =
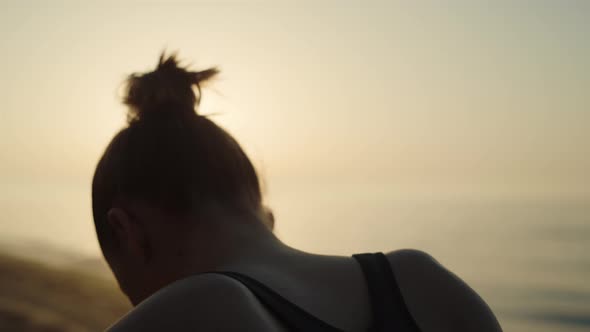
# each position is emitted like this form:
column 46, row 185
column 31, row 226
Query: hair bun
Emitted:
column 169, row 88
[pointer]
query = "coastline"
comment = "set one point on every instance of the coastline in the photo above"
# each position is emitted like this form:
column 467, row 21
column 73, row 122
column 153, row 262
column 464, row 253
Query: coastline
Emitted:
column 40, row 296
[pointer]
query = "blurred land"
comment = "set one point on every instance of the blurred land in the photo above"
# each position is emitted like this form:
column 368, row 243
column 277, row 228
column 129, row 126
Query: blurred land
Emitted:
column 79, row 296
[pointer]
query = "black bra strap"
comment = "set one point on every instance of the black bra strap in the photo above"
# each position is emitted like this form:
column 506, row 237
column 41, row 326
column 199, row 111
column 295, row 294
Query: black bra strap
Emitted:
column 292, row 316
column 389, row 309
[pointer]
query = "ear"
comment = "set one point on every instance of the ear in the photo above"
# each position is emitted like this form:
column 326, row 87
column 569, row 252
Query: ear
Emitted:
column 130, row 234
column 270, row 219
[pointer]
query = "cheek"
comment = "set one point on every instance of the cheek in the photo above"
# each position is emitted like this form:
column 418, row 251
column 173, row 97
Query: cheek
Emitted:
column 122, row 278
column 117, row 268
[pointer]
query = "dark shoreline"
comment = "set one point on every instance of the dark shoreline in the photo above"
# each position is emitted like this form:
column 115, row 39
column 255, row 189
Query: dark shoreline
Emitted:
column 39, row 297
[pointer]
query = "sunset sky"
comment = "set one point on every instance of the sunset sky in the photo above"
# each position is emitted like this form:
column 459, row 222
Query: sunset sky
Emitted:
column 428, row 97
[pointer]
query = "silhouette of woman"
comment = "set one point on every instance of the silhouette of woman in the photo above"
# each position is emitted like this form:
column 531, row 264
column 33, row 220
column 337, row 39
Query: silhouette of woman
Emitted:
column 181, row 222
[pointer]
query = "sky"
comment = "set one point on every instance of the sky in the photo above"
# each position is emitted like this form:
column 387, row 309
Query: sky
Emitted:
column 421, row 97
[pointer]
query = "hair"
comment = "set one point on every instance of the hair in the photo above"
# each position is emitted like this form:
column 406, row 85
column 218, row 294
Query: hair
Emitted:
column 168, row 155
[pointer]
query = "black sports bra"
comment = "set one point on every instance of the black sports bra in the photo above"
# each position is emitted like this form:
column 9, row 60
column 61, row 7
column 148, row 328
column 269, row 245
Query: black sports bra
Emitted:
column 388, row 307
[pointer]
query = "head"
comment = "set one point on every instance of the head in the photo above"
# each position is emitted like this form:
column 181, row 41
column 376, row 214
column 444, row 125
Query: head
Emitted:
column 169, row 172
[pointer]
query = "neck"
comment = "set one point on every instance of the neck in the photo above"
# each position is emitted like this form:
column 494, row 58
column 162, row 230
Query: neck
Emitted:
column 229, row 243
column 223, row 245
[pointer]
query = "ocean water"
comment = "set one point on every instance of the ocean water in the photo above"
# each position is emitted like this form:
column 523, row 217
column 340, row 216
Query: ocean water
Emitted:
column 529, row 258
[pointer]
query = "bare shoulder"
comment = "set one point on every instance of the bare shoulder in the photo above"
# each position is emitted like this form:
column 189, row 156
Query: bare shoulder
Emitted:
column 438, row 299
column 209, row 302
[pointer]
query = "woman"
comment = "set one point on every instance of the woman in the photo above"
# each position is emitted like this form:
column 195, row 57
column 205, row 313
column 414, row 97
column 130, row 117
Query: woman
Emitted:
column 180, row 220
